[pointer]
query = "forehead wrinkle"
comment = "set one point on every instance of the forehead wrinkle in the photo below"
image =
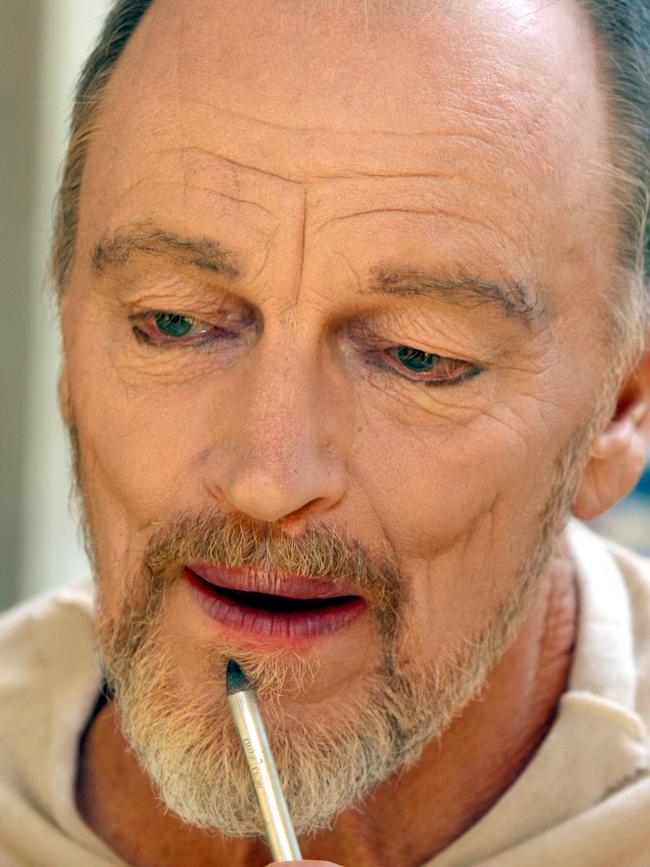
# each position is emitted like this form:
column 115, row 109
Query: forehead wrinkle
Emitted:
column 439, row 190
column 240, row 166
column 309, row 148
column 188, row 186
column 205, row 188
column 427, row 212
column 498, row 116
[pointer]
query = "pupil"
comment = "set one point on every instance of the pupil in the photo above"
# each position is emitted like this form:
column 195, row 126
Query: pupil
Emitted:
column 173, row 325
column 417, row 360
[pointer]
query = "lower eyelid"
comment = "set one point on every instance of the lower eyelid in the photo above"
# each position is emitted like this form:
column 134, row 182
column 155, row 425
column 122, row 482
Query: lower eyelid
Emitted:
column 471, row 373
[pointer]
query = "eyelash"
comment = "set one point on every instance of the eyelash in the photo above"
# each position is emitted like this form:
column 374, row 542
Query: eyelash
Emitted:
column 381, row 358
column 163, row 341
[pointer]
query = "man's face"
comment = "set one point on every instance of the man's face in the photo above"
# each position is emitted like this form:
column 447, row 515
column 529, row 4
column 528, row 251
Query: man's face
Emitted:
column 336, row 275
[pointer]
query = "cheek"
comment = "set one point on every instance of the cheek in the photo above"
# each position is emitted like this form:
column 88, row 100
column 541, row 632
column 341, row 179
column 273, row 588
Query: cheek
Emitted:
column 141, row 455
column 433, row 492
column 133, row 454
column 461, row 511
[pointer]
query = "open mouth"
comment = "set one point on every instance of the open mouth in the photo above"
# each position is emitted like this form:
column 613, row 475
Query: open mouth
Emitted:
column 306, row 609
column 279, row 604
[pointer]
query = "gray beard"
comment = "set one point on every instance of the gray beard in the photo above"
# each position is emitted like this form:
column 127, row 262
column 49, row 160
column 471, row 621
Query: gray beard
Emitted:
column 187, row 743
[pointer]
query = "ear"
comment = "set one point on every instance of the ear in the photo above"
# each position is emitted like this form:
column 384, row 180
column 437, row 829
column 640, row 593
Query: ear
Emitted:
column 619, row 452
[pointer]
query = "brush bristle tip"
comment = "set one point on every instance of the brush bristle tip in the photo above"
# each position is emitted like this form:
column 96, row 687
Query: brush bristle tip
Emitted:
column 235, row 678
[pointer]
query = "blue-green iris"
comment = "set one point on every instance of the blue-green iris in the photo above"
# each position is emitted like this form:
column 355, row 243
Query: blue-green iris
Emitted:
column 173, row 325
column 417, row 360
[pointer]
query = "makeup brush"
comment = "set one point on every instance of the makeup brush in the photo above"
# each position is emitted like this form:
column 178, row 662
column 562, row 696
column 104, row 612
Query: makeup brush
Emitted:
column 280, row 835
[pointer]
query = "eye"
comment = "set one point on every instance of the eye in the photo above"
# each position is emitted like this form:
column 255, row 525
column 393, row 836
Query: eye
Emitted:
column 165, row 328
column 427, row 367
column 173, row 324
column 416, row 360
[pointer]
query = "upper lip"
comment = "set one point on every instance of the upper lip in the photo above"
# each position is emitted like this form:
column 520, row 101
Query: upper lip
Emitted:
column 249, row 579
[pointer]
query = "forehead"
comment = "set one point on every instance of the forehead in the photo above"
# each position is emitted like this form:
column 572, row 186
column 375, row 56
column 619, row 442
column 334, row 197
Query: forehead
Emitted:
column 488, row 113
column 301, row 73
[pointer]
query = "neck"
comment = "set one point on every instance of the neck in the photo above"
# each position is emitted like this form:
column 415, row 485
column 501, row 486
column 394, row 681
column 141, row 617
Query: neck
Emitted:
column 412, row 816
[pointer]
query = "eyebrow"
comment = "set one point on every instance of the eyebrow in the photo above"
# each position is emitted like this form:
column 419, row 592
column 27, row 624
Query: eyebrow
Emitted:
column 200, row 252
column 464, row 289
column 207, row 254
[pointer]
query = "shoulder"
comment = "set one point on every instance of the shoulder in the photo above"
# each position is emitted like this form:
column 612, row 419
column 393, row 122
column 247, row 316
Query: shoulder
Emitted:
column 34, row 631
column 47, row 606
column 45, row 645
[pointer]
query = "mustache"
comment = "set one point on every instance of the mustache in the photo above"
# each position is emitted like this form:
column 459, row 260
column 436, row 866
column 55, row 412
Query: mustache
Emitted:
column 232, row 540
column 319, row 552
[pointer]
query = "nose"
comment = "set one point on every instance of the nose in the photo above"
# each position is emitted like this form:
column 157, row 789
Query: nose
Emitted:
column 280, row 449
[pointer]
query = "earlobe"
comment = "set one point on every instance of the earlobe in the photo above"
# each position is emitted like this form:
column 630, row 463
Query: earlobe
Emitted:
column 619, row 451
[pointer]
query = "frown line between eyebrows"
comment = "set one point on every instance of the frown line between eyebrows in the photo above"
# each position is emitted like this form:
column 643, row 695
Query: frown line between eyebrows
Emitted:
column 200, row 252
column 466, row 290
column 462, row 288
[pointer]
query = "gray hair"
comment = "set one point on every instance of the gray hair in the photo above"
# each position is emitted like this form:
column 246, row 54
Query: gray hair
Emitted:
column 622, row 28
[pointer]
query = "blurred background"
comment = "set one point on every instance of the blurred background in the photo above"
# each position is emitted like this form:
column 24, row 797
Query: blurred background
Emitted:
column 42, row 46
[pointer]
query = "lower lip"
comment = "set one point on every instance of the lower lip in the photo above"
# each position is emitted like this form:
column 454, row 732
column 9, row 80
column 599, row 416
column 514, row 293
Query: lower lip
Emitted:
column 273, row 625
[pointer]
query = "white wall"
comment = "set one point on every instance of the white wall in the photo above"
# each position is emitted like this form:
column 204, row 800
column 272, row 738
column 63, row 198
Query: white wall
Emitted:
column 49, row 551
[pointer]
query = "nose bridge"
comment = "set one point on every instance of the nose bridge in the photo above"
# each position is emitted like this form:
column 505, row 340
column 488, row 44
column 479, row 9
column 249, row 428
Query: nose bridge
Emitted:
column 285, row 444
column 288, row 389
column 280, row 426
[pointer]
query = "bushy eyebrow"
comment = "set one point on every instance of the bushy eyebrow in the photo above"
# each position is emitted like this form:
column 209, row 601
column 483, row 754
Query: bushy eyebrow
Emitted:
column 461, row 288
column 200, row 252
column 207, row 254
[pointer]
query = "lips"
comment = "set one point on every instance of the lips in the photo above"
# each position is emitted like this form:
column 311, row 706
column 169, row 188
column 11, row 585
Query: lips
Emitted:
column 271, row 605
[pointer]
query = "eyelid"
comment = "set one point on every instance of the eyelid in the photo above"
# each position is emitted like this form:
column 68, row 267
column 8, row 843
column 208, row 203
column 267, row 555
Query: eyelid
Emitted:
column 373, row 347
column 379, row 357
column 203, row 335
column 383, row 360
